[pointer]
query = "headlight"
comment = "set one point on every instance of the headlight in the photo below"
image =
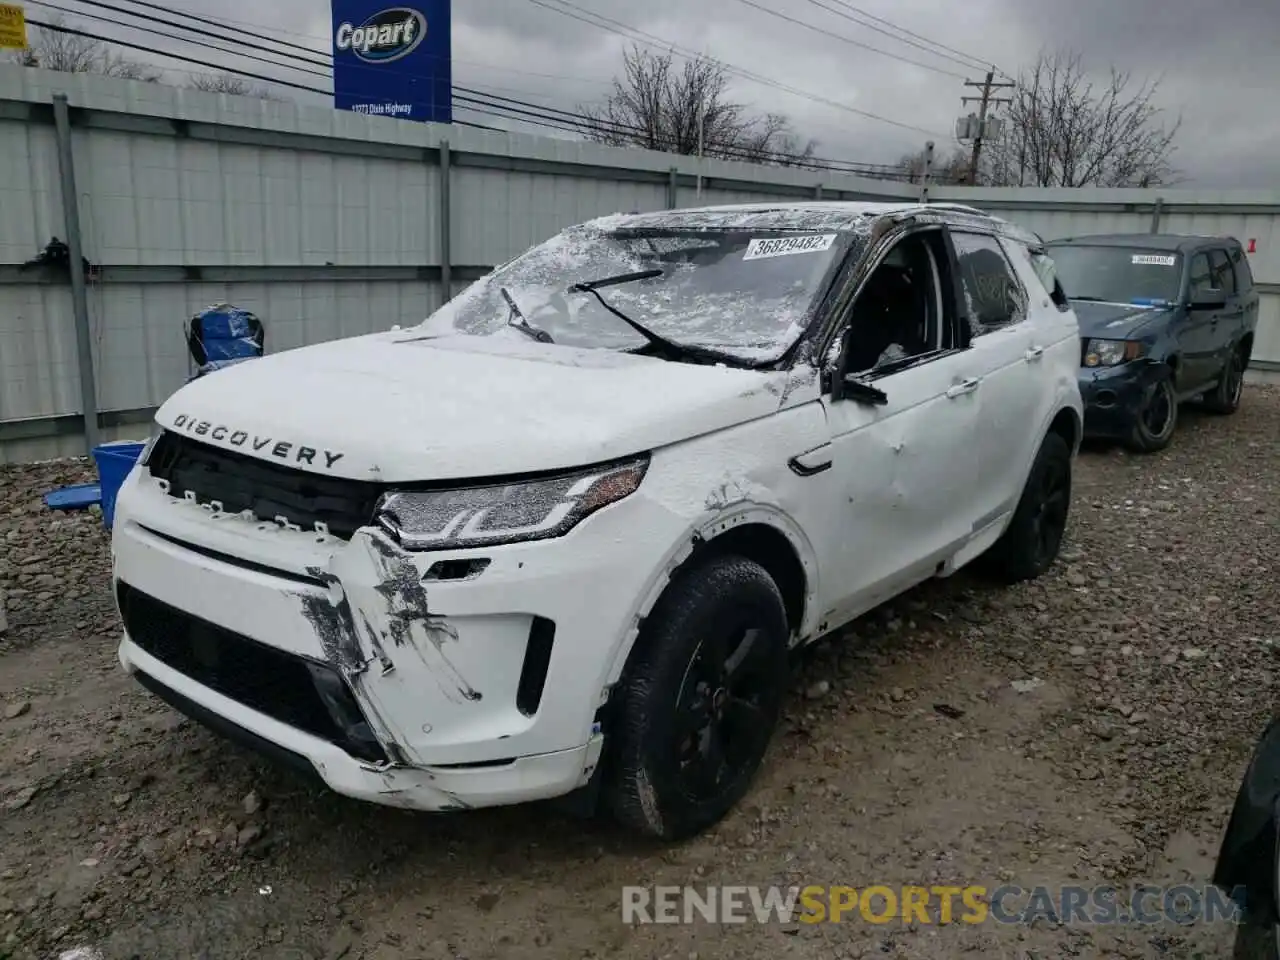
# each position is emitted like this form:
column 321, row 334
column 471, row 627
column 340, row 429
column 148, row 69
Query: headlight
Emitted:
column 156, row 430
column 1108, row 353
column 505, row 513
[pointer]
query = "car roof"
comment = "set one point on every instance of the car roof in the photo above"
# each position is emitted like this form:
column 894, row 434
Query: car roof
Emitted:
column 1171, row 242
column 858, row 216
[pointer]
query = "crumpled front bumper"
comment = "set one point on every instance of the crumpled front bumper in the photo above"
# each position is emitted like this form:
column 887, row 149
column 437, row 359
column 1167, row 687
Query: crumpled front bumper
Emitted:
column 394, row 687
column 1112, row 397
column 429, row 789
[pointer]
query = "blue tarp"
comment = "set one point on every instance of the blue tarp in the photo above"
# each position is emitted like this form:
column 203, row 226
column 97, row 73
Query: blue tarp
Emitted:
column 226, row 335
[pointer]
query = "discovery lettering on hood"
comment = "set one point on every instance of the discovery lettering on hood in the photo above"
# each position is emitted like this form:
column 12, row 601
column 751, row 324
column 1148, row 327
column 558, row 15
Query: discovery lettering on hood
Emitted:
column 287, row 450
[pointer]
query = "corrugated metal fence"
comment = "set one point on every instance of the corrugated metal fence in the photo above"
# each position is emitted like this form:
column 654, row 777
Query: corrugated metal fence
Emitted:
column 330, row 223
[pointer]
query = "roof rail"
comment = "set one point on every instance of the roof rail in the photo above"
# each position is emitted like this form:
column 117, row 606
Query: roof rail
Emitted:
column 962, row 208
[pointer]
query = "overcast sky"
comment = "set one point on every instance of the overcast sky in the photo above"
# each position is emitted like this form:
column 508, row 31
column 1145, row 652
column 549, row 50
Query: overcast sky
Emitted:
column 1218, row 64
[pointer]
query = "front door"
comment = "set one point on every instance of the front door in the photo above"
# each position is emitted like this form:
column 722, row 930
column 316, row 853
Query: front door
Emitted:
column 906, row 472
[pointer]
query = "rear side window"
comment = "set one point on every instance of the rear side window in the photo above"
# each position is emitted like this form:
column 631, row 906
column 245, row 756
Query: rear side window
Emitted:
column 1224, row 278
column 1046, row 271
column 993, row 295
column 1244, row 275
column 1200, row 279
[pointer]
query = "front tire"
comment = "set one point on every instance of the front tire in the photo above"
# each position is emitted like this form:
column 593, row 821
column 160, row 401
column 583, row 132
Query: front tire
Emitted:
column 1255, row 938
column 1157, row 417
column 700, row 699
column 1031, row 543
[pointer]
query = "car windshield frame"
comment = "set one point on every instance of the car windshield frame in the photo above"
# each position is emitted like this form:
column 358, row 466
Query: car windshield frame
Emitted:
column 692, row 305
column 1111, row 255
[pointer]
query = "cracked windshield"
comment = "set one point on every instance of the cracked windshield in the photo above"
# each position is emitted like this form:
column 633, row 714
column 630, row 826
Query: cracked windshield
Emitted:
column 746, row 293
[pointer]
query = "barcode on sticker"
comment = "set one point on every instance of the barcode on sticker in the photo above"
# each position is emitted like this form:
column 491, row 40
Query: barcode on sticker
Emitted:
column 1155, row 260
column 759, row 249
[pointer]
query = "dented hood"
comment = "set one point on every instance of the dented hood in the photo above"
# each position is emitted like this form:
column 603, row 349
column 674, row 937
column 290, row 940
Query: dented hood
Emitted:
column 1116, row 321
column 403, row 407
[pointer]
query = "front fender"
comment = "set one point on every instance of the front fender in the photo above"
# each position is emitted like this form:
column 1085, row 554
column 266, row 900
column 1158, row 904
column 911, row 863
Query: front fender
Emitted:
column 1247, row 857
column 703, row 531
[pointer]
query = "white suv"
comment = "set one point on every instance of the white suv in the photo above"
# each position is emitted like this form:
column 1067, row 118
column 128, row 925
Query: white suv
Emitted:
column 561, row 538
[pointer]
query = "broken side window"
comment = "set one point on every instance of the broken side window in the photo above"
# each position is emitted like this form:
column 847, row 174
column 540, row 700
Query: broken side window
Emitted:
column 993, row 295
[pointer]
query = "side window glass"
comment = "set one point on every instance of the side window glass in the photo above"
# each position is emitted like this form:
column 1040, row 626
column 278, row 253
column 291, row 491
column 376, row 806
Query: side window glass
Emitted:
column 1046, row 271
column 1224, row 278
column 993, row 296
column 1240, row 263
column 1244, row 275
column 896, row 315
column 1200, row 280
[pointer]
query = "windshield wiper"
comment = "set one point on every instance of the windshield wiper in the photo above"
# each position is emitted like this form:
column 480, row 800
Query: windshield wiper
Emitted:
column 1089, row 299
column 684, row 350
column 524, row 326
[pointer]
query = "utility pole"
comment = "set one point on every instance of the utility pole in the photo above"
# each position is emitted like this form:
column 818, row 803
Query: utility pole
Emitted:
column 702, row 118
column 985, row 101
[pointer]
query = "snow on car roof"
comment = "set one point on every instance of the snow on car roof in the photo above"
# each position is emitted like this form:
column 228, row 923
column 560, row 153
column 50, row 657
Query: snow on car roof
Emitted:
column 857, row 216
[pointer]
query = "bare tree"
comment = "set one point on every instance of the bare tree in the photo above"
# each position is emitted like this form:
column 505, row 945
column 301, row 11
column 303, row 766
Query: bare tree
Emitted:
column 952, row 169
column 657, row 106
column 229, row 83
column 73, row 53
column 1062, row 130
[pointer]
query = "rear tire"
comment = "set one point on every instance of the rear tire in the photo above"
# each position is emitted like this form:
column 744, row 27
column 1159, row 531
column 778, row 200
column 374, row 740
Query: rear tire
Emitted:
column 1031, row 543
column 1157, row 417
column 1224, row 399
column 700, row 699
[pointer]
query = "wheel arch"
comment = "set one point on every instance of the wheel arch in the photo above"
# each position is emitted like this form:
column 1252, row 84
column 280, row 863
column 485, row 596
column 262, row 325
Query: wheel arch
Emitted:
column 760, row 533
column 1248, row 851
column 1067, row 424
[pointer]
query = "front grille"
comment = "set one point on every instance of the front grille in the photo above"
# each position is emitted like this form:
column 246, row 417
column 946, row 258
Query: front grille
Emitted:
column 302, row 693
column 240, row 482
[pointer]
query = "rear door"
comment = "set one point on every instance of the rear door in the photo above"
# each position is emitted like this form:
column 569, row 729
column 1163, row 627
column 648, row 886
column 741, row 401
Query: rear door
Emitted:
column 996, row 305
column 1224, row 329
column 1250, row 302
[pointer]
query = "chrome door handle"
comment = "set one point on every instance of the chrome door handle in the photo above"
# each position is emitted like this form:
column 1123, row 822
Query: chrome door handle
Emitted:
column 1034, row 354
column 963, row 387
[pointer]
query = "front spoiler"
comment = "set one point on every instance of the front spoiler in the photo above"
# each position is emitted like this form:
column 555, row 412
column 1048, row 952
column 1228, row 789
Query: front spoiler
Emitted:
column 435, row 789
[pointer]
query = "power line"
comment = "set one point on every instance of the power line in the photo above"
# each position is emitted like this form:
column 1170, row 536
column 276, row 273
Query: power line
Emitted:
column 849, row 40
column 965, row 59
column 660, row 43
column 172, row 36
column 227, row 23
column 468, row 96
column 102, row 5
column 510, row 112
column 481, row 101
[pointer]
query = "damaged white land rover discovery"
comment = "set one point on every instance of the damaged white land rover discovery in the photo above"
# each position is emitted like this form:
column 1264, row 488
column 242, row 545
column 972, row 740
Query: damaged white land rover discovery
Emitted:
column 560, row 539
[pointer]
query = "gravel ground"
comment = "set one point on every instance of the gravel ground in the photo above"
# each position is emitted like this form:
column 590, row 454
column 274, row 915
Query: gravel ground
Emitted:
column 1087, row 728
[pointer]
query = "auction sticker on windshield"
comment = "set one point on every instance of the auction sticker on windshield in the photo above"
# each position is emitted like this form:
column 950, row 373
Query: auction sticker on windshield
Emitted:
column 1154, row 259
column 759, row 249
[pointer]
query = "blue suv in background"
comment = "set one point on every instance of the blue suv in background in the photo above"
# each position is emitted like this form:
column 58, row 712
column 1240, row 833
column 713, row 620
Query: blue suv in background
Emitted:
column 1163, row 319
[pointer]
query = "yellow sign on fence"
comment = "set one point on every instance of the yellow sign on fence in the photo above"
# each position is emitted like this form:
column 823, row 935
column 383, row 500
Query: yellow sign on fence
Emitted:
column 13, row 27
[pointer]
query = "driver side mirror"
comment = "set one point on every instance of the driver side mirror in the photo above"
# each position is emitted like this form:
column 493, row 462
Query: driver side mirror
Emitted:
column 849, row 386
column 1211, row 298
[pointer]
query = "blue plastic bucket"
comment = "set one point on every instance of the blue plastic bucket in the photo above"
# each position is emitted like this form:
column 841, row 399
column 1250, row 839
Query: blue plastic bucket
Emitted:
column 114, row 461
